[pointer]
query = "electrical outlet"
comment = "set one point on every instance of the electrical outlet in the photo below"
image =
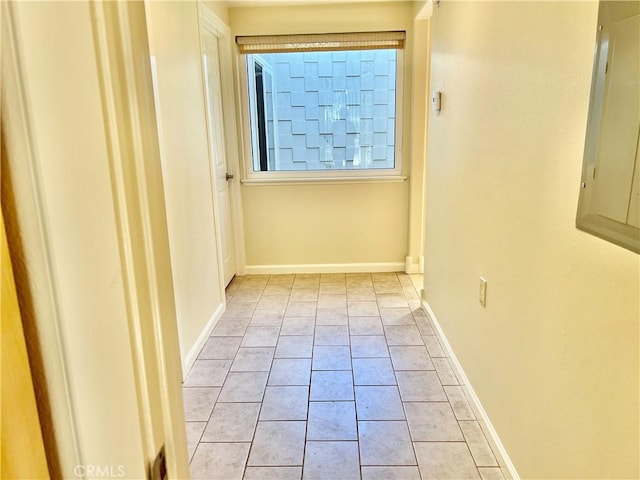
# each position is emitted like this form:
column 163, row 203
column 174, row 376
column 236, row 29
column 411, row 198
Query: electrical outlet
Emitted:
column 483, row 292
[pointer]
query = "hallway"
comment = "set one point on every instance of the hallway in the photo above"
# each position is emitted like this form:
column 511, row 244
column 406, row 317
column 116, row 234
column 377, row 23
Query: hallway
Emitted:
column 329, row 376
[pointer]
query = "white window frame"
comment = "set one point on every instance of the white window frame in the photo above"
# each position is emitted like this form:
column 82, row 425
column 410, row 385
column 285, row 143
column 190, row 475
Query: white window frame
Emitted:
column 318, row 176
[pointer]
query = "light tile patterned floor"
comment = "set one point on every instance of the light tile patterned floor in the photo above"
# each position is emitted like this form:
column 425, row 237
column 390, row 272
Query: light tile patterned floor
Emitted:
column 335, row 376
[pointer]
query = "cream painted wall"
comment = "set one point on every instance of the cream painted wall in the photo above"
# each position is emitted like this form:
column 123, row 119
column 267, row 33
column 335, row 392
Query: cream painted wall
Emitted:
column 219, row 8
column 303, row 224
column 554, row 355
column 174, row 41
column 331, row 224
column 78, row 222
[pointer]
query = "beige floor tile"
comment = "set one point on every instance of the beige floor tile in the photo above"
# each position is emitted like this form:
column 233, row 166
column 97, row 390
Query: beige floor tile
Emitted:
column 385, row 277
column 247, row 295
column 255, row 281
column 397, row 316
column 198, row 402
column 219, row 461
column 379, row 403
column 332, row 278
column 410, row 358
column 273, row 473
column 260, row 337
column 433, row 346
column 332, row 421
column 387, row 287
column 331, row 385
column 411, row 295
column 290, row 371
column 331, row 461
column 304, row 294
column 253, row 359
column 281, row 279
column 277, row 289
column 391, row 300
column 301, row 309
column 361, row 293
column 365, row 326
column 231, row 327
column 424, row 326
column 385, row 443
column 420, row 386
column 240, row 309
column 368, row 346
column 389, row 473
column 332, row 335
column 313, row 337
column 339, row 288
column 363, row 309
column 278, row 444
column 232, row 422
column 491, row 473
column 331, row 357
column 432, row 422
column 445, row 372
column 331, row 316
column 266, row 318
column 373, row 371
column 300, row 282
column 273, row 303
column 298, row 326
column 194, row 432
column 220, row 348
column 285, row 403
column 294, row 346
column 207, row 373
column 445, row 460
column 461, row 407
column 403, row 335
column 333, row 301
column 243, row 387
column 480, row 449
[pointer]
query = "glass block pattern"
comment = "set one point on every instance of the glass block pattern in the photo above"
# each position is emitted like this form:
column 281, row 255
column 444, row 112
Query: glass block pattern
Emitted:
column 332, row 110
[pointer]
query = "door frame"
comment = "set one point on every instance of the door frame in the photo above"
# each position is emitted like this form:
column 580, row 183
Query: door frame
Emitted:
column 211, row 24
column 127, row 106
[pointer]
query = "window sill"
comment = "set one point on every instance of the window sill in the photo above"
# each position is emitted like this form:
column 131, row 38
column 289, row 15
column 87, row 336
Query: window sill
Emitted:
column 252, row 182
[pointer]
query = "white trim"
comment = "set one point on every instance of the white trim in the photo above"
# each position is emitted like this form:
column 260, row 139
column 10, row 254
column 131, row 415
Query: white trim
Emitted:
column 414, row 265
column 483, row 419
column 192, row 356
column 326, row 268
column 39, row 256
column 138, row 198
column 252, row 182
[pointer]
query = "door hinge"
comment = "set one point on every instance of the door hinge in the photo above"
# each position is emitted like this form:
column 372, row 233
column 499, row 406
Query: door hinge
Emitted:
column 228, row 176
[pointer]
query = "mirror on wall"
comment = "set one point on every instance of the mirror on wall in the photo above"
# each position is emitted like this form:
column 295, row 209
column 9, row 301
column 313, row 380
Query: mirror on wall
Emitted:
column 609, row 204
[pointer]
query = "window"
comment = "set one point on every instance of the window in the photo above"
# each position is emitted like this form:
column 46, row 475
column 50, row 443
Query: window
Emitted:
column 323, row 103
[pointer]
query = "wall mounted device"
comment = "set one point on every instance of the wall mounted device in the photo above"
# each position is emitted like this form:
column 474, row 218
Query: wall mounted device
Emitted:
column 436, row 100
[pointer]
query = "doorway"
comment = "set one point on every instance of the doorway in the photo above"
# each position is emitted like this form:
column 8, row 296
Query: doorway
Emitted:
column 221, row 173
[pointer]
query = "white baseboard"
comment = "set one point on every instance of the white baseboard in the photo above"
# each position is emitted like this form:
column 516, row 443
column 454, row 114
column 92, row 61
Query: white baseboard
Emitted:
column 414, row 265
column 483, row 419
column 325, row 268
column 191, row 357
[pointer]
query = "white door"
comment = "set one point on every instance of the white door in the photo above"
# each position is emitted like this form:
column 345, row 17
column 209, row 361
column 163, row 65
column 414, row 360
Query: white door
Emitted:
column 215, row 120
